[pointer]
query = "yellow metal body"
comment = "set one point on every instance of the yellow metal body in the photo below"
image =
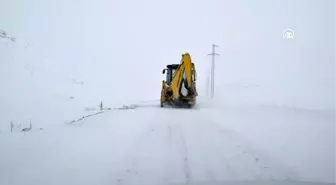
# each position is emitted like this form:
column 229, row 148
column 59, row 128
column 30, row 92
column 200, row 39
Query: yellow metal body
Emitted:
column 180, row 85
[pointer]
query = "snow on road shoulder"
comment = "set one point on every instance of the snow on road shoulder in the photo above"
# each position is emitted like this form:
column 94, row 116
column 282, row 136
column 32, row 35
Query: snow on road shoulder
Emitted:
column 85, row 153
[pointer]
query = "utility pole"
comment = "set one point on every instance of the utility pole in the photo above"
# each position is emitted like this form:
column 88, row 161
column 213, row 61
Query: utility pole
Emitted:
column 212, row 82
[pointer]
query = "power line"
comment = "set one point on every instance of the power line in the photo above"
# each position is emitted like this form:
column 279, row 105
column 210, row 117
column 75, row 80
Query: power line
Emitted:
column 212, row 82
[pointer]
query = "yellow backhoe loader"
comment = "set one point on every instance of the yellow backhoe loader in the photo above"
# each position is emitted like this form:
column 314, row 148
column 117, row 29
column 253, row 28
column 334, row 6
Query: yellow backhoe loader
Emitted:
column 179, row 89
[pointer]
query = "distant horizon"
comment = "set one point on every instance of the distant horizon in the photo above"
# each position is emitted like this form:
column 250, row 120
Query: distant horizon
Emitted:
column 93, row 41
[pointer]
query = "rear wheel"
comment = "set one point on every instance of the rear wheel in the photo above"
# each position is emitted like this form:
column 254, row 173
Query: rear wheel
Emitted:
column 190, row 106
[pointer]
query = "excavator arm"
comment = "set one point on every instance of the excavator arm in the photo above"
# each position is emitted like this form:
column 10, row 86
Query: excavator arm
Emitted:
column 183, row 76
column 182, row 87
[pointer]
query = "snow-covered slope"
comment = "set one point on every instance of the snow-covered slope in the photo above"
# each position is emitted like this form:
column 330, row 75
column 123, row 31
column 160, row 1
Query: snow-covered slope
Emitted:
column 35, row 88
column 33, row 91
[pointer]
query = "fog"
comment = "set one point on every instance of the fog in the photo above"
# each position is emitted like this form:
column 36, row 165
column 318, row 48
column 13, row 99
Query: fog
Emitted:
column 69, row 56
column 115, row 45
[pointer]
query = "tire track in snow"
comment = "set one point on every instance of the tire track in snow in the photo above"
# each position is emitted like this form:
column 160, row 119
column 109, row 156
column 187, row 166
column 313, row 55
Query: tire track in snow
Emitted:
column 152, row 154
column 252, row 163
column 188, row 146
column 219, row 153
column 187, row 171
column 183, row 150
column 188, row 128
column 205, row 159
column 264, row 168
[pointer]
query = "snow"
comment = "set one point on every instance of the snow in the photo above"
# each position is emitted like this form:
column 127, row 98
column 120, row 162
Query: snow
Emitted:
column 290, row 136
column 155, row 145
column 272, row 119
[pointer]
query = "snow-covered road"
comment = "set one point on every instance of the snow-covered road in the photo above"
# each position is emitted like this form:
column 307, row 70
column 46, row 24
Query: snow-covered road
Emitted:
column 170, row 146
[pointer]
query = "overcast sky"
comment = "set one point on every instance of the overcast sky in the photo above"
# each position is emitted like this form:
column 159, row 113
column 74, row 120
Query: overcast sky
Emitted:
column 102, row 42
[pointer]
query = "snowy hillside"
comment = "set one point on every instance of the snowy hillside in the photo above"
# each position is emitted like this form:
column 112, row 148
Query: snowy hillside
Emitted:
column 272, row 119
